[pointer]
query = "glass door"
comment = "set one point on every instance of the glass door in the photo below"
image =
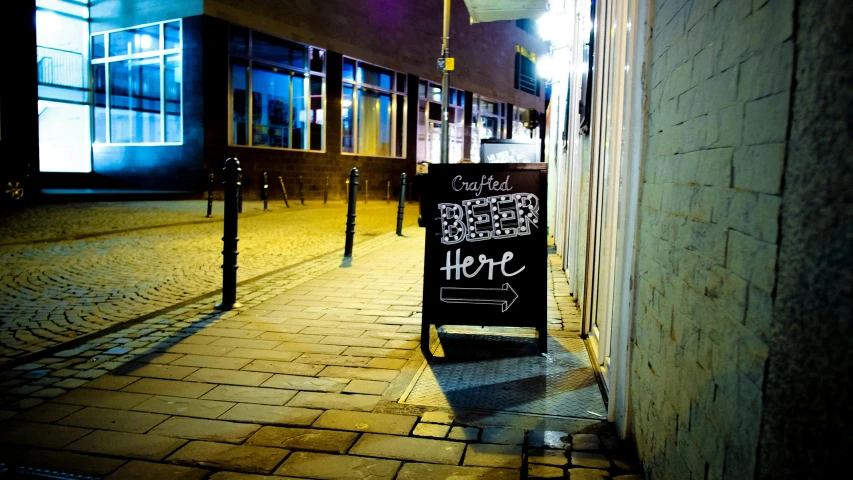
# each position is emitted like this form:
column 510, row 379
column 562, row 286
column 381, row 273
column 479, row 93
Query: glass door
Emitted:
column 605, row 182
column 62, row 56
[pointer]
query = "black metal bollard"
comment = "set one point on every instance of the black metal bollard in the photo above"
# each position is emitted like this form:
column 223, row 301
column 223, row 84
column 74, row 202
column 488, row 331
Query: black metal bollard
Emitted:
column 353, row 193
column 301, row 191
column 346, row 196
column 283, row 192
column 366, row 188
column 402, row 205
column 229, row 238
column 388, row 192
column 239, row 193
column 326, row 192
column 210, row 195
column 265, row 191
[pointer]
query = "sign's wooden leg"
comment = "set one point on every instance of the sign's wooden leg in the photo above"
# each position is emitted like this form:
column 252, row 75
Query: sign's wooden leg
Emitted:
column 543, row 339
column 425, row 341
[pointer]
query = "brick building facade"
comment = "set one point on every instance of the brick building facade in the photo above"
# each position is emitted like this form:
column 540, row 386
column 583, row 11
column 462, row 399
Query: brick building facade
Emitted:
column 696, row 218
column 196, row 111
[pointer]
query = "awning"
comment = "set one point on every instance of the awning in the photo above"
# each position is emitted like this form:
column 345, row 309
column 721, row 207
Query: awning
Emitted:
column 496, row 10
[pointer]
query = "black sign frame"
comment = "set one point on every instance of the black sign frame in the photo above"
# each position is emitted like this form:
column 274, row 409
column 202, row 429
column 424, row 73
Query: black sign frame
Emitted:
column 486, row 269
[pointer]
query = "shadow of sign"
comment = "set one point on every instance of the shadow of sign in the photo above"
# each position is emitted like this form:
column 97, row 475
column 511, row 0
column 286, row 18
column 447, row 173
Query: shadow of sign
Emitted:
column 506, row 374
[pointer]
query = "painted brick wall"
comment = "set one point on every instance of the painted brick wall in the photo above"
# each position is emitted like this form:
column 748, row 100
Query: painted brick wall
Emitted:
column 721, row 73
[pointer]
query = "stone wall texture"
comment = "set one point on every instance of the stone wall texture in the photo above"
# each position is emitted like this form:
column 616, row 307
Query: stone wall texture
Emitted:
column 806, row 410
column 719, row 94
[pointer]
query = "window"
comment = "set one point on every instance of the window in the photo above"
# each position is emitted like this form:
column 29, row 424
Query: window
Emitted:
column 521, row 119
column 137, row 84
column 429, row 123
column 278, row 90
column 373, row 107
column 488, row 118
column 526, row 79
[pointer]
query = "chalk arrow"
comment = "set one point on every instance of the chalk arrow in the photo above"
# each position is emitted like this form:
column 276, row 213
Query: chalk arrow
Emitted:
column 504, row 296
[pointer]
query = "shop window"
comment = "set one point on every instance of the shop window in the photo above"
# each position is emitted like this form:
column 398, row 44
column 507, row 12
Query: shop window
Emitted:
column 488, row 120
column 278, row 92
column 138, row 85
column 372, row 110
column 526, row 79
column 429, row 123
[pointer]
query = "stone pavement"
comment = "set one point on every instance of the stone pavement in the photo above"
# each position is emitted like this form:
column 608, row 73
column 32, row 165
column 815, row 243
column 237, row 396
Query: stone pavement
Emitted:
column 129, row 259
column 301, row 382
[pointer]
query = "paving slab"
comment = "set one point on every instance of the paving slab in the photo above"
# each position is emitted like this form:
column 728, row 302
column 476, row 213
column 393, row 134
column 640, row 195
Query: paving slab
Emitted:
column 548, row 456
column 295, row 382
column 186, row 407
column 432, row 430
column 589, row 460
column 228, row 377
column 506, row 436
column 465, row 434
column 427, row 471
column 174, row 388
column 304, row 439
column 39, row 434
column 122, row 444
column 47, row 412
column 487, row 455
column 544, row 471
column 366, row 422
column 409, row 448
column 324, row 359
column 438, row 417
column 586, row 442
column 229, row 457
column 367, row 387
column 70, row 462
column 587, row 474
column 111, row 382
column 261, row 354
column 102, row 398
column 209, row 361
column 264, row 396
column 549, row 439
column 107, row 419
column 338, row 467
column 376, row 374
column 138, row 470
column 286, row 368
column 271, row 415
column 389, row 363
column 335, row 401
column 243, row 344
column 168, row 372
column 203, row 429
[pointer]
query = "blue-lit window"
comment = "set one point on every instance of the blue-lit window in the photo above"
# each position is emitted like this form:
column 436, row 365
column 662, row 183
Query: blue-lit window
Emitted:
column 277, row 92
column 137, row 82
column 429, row 123
column 373, row 109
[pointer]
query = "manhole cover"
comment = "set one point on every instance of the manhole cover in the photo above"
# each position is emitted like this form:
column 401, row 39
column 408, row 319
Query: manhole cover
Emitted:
column 504, row 373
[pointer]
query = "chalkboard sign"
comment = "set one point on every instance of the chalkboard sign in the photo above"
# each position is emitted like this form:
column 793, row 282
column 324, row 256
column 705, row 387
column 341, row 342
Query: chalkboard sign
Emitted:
column 495, row 150
column 486, row 247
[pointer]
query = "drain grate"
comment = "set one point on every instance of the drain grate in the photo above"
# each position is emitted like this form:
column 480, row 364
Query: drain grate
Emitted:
column 505, row 373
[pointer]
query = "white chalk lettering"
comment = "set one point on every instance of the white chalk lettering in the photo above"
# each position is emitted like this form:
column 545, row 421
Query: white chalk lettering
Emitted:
column 459, row 268
column 477, row 186
column 496, row 217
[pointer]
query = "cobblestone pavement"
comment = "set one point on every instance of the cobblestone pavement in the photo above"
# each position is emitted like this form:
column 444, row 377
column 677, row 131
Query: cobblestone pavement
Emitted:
column 304, row 381
column 53, row 290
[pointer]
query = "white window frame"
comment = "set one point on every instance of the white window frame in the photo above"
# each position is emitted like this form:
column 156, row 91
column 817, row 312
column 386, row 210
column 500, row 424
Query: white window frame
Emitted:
column 162, row 53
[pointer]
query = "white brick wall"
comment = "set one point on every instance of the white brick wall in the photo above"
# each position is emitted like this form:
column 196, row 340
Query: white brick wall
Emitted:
column 719, row 99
